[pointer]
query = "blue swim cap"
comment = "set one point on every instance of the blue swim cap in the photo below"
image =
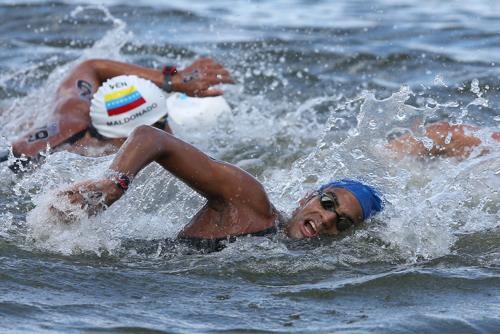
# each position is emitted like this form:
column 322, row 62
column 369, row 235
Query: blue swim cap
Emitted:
column 367, row 196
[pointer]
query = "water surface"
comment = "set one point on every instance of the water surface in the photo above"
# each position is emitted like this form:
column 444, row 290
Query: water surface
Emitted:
column 319, row 86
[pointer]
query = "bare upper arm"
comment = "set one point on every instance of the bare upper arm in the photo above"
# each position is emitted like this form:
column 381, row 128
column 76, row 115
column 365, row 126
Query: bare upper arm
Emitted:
column 70, row 112
column 70, row 118
column 217, row 181
column 81, row 83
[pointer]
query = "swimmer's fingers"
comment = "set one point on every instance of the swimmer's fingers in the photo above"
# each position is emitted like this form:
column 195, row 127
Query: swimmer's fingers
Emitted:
column 212, row 79
column 65, row 217
column 209, row 93
column 91, row 192
column 220, row 73
column 218, row 78
column 74, row 195
column 196, row 79
column 205, row 64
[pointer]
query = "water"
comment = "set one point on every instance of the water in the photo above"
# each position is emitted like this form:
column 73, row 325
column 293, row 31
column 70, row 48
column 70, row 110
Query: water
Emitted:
column 319, row 87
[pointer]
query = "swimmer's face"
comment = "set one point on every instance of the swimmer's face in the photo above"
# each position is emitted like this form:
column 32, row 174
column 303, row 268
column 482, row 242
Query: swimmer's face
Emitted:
column 324, row 214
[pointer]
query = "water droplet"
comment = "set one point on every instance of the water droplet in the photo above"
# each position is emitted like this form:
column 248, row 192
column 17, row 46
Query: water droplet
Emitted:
column 372, row 124
column 474, row 86
column 353, row 132
column 447, row 140
column 439, row 81
column 428, row 143
column 357, row 154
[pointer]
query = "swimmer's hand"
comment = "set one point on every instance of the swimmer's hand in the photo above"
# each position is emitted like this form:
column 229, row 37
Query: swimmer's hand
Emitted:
column 196, row 79
column 91, row 196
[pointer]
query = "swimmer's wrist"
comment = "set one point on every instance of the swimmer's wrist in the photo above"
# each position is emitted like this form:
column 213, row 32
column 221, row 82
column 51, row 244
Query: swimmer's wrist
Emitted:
column 169, row 78
column 122, row 182
column 177, row 83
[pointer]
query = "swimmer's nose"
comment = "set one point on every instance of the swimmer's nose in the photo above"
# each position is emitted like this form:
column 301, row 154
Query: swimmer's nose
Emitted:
column 328, row 219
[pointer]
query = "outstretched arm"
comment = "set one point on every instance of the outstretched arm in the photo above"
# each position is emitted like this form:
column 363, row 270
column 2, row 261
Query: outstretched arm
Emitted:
column 194, row 80
column 448, row 140
column 219, row 182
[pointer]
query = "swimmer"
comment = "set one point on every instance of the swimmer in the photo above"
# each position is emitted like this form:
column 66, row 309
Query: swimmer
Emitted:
column 237, row 204
column 450, row 140
column 82, row 124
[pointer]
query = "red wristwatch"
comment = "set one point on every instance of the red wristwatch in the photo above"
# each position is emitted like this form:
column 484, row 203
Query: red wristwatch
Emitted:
column 168, row 73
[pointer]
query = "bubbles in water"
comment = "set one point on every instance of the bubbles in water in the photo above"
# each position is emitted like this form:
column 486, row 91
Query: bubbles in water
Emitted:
column 447, row 140
column 353, row 132
column 474, row 87
column 439, row 81
column 428, row 143
column 357, row 154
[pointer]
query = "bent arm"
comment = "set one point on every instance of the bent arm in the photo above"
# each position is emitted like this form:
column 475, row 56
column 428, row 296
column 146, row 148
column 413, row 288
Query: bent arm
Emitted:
column 220, row 183
column 217, row 181
column 104, row 69
column 60, row 127
column 195, row 80
column 71, row 108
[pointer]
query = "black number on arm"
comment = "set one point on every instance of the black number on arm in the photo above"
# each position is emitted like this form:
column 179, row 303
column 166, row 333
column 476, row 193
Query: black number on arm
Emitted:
column 85, row 88
column 40, row 134
column 194, row 75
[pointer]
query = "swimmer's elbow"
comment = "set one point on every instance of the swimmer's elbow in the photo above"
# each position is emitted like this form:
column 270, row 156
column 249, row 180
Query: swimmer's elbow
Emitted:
column 152, row 140
column 90, row 66
column 147, row 133
column 86, row 65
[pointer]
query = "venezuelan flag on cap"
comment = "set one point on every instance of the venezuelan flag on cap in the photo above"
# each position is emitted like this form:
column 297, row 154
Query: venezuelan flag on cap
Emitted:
column 123, row 100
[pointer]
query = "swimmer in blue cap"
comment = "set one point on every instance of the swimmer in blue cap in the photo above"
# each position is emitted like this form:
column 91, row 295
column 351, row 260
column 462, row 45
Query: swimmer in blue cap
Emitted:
column 237, row 203
column 335, row 207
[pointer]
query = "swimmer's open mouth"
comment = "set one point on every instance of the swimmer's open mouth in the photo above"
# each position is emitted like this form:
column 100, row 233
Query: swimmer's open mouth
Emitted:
column 309, row 228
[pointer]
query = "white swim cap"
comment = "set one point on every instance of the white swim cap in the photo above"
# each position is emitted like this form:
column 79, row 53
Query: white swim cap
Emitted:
column 123, row 103
column 195, row 113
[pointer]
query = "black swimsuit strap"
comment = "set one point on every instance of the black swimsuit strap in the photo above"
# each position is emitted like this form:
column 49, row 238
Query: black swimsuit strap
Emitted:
column 79, row 135
column 94, row 133
column 73, row 139
column 214, row 245
column 19, row 164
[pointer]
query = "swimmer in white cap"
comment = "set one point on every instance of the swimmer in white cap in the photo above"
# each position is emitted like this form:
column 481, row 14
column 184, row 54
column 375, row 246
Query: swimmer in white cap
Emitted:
column 100, row 102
